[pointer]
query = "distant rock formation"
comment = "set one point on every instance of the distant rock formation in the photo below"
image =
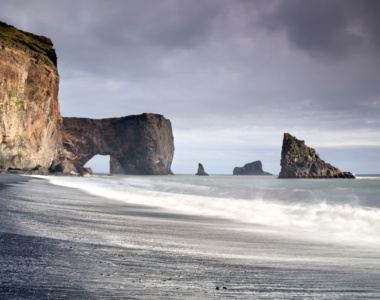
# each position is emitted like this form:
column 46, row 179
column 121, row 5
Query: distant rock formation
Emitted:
column 253, row 168
column 138, row 145
column 34, row 138
column 201, row 170
column 300, row 161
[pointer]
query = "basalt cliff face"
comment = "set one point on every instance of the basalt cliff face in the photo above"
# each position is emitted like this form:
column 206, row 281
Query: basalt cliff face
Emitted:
column 300, row 161
column 139, row 145
column 34, row 138
column 30, row 119
column 253, row 168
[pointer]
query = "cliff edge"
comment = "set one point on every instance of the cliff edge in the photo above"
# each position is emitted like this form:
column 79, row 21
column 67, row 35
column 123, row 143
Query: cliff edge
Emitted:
column 300, row 161
column 30, row 120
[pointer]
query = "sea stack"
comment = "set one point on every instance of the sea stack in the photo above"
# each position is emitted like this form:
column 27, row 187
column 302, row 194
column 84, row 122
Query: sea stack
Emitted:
column 253, row 168
column 300, row 161
column 201, row 171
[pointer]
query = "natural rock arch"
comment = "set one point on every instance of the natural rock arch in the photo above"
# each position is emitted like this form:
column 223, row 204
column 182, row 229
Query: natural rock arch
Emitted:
column 139, row 144
column 98, row 164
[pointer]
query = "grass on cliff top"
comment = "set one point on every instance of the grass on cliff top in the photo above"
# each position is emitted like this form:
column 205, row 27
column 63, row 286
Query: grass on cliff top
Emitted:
column 40, row 46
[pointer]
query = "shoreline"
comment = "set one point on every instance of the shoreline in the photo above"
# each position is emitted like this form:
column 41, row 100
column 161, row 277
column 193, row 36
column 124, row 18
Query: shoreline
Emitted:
column 62, row 243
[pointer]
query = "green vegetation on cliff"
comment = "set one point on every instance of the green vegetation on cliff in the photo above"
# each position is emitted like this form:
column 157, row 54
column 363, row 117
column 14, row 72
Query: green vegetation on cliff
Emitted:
column 296, row 147
column 39, row 46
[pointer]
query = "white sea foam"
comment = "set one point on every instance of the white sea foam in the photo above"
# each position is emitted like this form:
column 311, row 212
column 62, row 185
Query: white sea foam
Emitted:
column 368, row 177
column 306, row 211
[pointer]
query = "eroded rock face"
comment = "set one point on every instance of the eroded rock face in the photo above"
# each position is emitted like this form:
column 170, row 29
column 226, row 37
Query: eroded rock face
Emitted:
column 201, row 170
column 30, row 119
column 253, row 168
column 139, row 145
column 35, row 139
column 300, row 161
column 115, row 166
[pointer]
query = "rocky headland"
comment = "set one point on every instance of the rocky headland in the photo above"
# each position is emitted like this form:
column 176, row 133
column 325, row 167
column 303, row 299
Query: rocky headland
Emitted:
column 201, row 171
column 253, row 168
column 300, row 161
column 34, row 138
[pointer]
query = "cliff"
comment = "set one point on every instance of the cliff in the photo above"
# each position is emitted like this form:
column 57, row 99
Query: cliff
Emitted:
column 201, row 171
column 30, row 119
column 140, row 144
column 253, row 168
column 300, row 161
column 34, row 138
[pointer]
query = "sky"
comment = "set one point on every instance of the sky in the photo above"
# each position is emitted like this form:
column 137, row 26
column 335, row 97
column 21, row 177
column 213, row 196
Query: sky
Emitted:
column 232, row 76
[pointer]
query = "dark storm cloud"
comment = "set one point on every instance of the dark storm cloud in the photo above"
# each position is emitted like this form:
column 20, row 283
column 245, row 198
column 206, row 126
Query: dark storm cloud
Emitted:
column 128, row 37
column 134, row 39
column 167, row 24
column 214, row 52
column 332, row 28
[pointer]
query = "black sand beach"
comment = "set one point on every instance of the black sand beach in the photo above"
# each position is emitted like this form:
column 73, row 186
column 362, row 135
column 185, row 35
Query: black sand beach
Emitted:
column 61, row 243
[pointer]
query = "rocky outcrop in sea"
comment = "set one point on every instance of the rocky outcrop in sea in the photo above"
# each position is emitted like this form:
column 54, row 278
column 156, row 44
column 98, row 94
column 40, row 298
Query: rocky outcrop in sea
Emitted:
column 201, row 170
column 253, row 168
column 300, row 161
column 138, row 145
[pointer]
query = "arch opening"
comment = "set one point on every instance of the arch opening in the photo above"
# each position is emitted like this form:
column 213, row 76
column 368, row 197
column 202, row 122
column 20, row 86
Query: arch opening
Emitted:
column 99, row 164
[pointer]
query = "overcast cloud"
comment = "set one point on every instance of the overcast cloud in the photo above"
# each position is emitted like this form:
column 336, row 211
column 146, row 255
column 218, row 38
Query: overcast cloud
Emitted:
column 232, row 76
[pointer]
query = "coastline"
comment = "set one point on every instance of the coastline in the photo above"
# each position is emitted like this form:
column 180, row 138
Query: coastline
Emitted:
column 62, row 243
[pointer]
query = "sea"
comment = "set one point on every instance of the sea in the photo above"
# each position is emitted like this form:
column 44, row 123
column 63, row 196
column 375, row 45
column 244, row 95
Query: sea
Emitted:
column 263, row 237
column 343, row 210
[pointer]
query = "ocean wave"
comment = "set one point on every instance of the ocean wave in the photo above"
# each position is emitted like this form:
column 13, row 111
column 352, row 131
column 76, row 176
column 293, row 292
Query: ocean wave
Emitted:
column 317, row 219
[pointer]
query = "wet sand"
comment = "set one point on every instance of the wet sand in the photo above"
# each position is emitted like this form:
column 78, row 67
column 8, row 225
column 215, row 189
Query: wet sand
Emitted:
column 61, row 243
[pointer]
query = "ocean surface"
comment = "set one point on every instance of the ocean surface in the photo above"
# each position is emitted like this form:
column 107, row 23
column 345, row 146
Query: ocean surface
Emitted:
column 340, row 210
column 189, row 237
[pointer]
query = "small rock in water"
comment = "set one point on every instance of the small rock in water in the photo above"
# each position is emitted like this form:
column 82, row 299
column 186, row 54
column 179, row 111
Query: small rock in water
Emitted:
column 217, row 288
column 201, row 170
